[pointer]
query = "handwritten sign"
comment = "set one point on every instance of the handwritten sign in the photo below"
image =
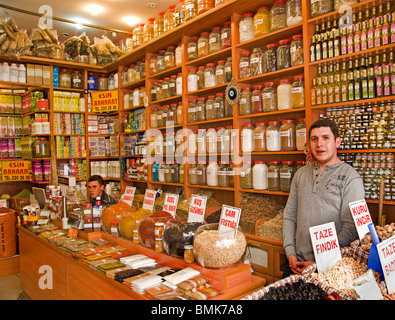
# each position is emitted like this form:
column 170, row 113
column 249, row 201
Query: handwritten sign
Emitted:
column 325, row 245
column 149, row 200
column 197, row 208
column 229, row 221
column 360, row 213
column 16, row 170
column 128, row 196
column 104, row 101
column 170, row 204
column 386, row 251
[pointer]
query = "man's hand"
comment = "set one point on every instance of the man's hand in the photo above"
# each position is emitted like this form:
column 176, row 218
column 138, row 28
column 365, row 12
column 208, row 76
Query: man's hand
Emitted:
column 298, row 266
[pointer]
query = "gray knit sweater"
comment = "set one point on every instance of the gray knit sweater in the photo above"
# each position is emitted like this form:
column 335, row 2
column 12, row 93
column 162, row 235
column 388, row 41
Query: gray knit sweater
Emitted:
column 316, row 199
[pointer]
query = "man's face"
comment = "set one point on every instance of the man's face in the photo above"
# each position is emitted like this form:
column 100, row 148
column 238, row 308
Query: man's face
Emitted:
column 324, row 146
column 95, row 189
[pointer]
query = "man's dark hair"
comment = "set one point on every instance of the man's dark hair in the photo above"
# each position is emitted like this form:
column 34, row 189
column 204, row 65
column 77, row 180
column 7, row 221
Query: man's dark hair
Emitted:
column 97, row 178
column 325, row 123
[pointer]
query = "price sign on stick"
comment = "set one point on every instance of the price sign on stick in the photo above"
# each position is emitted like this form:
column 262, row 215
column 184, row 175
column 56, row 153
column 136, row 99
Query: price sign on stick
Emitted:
column 325, row 245
column 386, row 251
column 149, row 200
column 229, row 221
column 128, row 196
column 360, row 213
column 197, row 208
column 170, row 204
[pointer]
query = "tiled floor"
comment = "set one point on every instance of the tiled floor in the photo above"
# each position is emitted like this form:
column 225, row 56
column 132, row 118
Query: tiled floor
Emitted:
column 10, row 287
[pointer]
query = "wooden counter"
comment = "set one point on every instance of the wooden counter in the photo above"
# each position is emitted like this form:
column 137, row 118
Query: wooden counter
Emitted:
column 75, row 280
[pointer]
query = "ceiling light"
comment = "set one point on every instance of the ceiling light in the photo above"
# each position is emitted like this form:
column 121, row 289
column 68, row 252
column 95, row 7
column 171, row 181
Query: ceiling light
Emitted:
column 131, row 20
column 94, row 9
column 79, row 22
column 152, row 5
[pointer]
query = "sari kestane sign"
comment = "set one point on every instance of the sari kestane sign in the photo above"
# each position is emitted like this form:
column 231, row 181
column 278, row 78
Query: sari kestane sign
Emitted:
column 361, row 215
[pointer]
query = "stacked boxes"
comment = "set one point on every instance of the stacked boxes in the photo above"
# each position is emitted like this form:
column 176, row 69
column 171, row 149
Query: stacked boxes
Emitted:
column 70, row 147
column 73, row 168
column 104, row 146
column 69, row 123
column 11, row 104
column 68, row 101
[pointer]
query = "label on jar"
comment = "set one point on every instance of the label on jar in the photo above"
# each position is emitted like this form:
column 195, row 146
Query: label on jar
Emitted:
column 212, row 40
column 244, row 64
column 297, row 90
column 285, row 175
column 272, row 175
column 258, row 21
column 190, row 6
column 191, row 49
column 267, row 95
column 201, row 45
column 284, row 133
column 254, row 60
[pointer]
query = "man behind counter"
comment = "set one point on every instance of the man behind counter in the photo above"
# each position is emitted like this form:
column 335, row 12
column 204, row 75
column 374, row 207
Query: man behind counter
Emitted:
column 96, row 189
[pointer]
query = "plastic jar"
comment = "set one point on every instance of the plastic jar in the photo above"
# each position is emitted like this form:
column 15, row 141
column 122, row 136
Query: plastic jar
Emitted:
column 212, row 174
column 270, row 58
column 192, row 48
column 278, row 15
column 244, row 65
column 288, row 135
column 246, row 175
column 192, row 177
column 300, row 134
column 192, row 111
column 247, row 138
column 256, row 62
column 273, row 142
column 273, row 176
column 284, row 95
column 221, row 146
column 148, row 32
column 220, row 72
column 192, row 80
column 138, row 36
column 223, row 174
column 210, row 112
column 296, row 50
column 201, row 141
column 246, row 27
column 210, row 79
column 201, row 173
column 159, row 24
column 205, row 5
column 169, row 19
column 284, row 54
column 259, row 175
column 92, row 81
column 203, row 44
column 179, row 13
column 226, row 36
column 294, row 12
column 260, row 136
column 286, row 174
column 262, row 22
column 214, row 43
column 41, row 148
column 65, row 78
column 192, row 142
column 170, row 61
column 298, row 92
column 76, row 80
column 190, row 9
column 256, row 99
column 201, row 109
column 319, row 7
column 245, row 106
column 211, row 140
column 269, row 97
column 219, row 106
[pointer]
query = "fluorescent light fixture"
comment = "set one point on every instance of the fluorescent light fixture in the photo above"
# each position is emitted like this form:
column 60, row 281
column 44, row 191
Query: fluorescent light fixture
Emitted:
column 94, row 9
column 131, row 20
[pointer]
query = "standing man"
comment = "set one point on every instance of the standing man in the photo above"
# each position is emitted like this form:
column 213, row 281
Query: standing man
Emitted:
column 320, row 193
column 96, row 189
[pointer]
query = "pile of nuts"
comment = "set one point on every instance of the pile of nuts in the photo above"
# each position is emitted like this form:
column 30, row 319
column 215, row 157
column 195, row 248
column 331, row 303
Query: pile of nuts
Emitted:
column 272, row 228
column 383, row 233
column 343, row 273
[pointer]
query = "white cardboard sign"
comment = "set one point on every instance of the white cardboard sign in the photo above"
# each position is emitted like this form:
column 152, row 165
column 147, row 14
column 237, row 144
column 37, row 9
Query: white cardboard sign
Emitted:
column 128, row 196
column 229, row 221
column 386, row 251
column 361, row 215
column 325, row 245
column 197, row 208
column 170, row 204
column 149, row 199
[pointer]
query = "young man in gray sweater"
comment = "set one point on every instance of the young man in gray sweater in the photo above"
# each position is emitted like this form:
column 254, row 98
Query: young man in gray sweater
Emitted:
column 320, row 193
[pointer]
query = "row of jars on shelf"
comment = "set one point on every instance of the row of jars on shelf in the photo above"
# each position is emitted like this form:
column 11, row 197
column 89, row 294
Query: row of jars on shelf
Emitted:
column 134, row 98
column 275, row 57
column 282, row 14
column 210, row 75
column 287, row 95
column 166, row 59
column 167, row 87
column 211, row 108
column 167, row 115
column 133, row 73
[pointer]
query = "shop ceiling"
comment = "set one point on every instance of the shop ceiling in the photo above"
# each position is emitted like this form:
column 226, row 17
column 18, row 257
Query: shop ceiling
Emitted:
column 118, row 15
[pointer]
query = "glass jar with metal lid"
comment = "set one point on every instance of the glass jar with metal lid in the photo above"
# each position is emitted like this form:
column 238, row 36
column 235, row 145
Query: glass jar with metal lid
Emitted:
column 179, row 141
column 262, row 22
column 247, row 138
column 201, row 141
column 246, row 27
column 226, row 36
column 192, row 177
column 201, row 109
column 256, row 99
column 201, row 173
column 148, row 31
column 301, row 134
column 158, row 144
column 269, row 97
column 192, row 111
column 172, row 117
column 287, row 172
column 210, row 79
column 273, row 142
column 256, row 62
column 200, row 77
column 284, row 54
column 220, row 72
column 210, row 112
column 190, row 9
column 288, row 135
column 228, row 139
column 219, row 106
column 278, row 15
column 160, row 61
column 270, row 58
column 181, row 170
column 203, row 44
column 215, row 40
column 223, row 174
column 260, row 136
column 297, row 50
column 245, row 106
column 192, row 48
column 244, row 65
column 159, row 24
column 175, row 172
column 170, row 61
column 294, row 12
column 284, row 95
column 273, row 176
column 211, row 140
column 298, row 92
column 246, row 175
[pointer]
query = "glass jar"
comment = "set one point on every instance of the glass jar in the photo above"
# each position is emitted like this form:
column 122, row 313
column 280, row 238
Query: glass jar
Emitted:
column 192, row 178
column 192, row 80
column 205, row 5
column 287, row 172
column 228, row 69
column 223, row 174
column 269, row 97
column 137, row 35
column 288, row 135
column 256, row 99
column 219, row 106
column 178, row 54
column 170, row 61
column 76, row 80
column 212, row 173
column 159, row 118
column 148, row 32
column 201, row 141
column 228, row 139
column 175, row 172
column 262, row 22
column 284, row 54
column 246, row 27
column 220, row 72
column 192, row 111
column 211, row 140
column 201, row 109
column 192, row 142
column 180, row 113
column 102, row 82
column 246, row 175
column 154, row 123
column 278, row 15
column 92, row 81
column 294, row 12
column 319, row 7
column 172, row 117
column 179, row 84
column 273, row 176
column 168, row 19
column 179, row 13
column 214, row 43
column 256, row 62
column 231, row 175
column 210, row 79
column 273, row 142
column 200, row 77
column 201, row 173
column 300, row 134
column 160, row 62
column 167, row 172
column 298, row 92
column 260, row 136
column 270, row 58
column 226, row 36
column 179, row 141
column 192, row 48
column 221, row 146
column 296, row 50
column 203, row 44
column 245, row 106
column 210, row 112
column 190, row 9
column 284, row 95
column 153, row 64
column 182, row 173
column 65, row 78
column 259, row 175
column 165, row 91
column 244, row 65
column 159, row 24
column 172, row 86
column 247, row 138
column 41, row 148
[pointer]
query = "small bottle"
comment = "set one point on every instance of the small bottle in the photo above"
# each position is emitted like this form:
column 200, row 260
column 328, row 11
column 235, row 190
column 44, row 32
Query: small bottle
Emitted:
column 188, row 254
column 88, row 226
column 159, row 245
column 115, row 229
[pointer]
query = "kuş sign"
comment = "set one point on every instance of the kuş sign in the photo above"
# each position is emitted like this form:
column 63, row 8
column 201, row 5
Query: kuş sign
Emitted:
column 149, row 200
column 229, row 221
column 170, row 204
column 197, row 208
column 360, row 213
column 386, row 251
